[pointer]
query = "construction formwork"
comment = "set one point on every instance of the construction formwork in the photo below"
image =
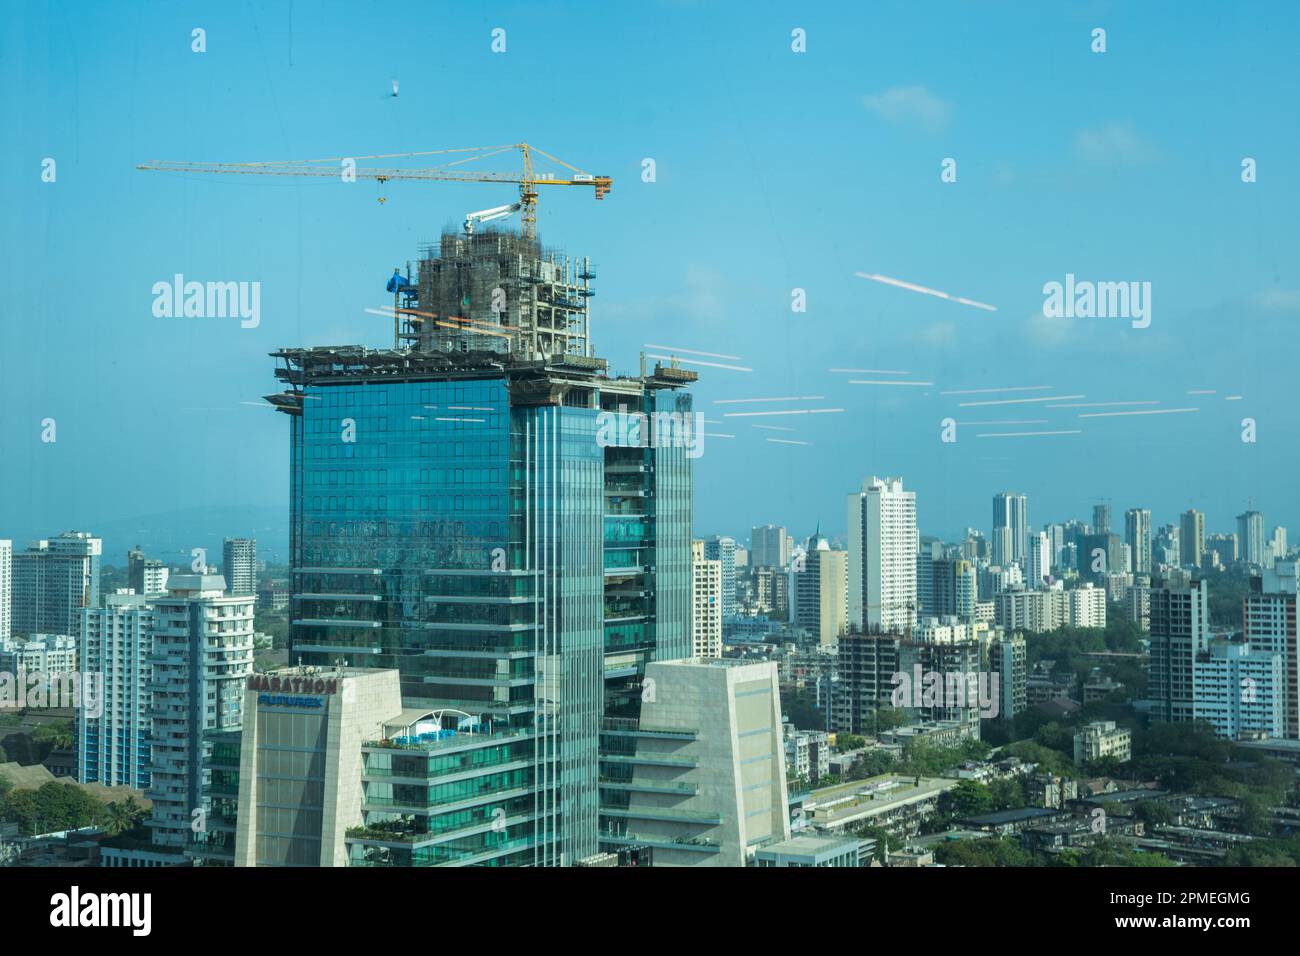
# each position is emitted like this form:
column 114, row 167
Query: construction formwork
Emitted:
column 498, row 291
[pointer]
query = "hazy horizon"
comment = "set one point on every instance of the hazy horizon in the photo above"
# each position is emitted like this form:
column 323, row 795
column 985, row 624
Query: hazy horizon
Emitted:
column 775, row 171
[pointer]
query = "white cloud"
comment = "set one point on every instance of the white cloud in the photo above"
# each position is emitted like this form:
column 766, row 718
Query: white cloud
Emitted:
column 909, row 104
column 940, row 335
column 1115, row 144
column 1049, row 333
column 1278, row 300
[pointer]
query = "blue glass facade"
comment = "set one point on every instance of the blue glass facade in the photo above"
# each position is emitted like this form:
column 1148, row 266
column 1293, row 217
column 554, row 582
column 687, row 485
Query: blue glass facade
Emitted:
column 405, row 496
column 474, row 532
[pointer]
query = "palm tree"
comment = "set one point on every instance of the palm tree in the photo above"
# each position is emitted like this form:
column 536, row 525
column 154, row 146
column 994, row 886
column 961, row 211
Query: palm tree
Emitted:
column 124, row 815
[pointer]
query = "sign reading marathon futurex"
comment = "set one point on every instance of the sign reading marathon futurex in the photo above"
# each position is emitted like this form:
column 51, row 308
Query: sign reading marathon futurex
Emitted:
column 284, row 691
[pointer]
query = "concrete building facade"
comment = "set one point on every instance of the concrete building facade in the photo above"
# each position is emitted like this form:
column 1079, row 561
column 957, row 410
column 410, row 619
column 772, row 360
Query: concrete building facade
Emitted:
column 239, row 565
column 53, row 580
column 705, row 779
column 202, row 653
column 300, row 765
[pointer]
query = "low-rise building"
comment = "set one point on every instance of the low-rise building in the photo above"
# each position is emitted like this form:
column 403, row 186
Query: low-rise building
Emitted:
column 808, row 850
column 47, row 654
column 1102, row 738
column 1050, row 791
column 1008, row 822
column 807, row 754
column 894, row 803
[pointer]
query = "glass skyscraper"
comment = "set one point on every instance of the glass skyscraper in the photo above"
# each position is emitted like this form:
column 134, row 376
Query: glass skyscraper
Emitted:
column 466, row 518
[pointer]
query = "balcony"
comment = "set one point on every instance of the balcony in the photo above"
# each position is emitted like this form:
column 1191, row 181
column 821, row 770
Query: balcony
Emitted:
column 667, row 814
column 666, row 788
column 650, row 760
column 697, row 845
column 630, row 727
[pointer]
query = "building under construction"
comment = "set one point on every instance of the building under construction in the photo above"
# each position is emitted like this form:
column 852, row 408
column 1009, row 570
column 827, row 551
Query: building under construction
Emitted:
column 497, row 292
column 459, row 514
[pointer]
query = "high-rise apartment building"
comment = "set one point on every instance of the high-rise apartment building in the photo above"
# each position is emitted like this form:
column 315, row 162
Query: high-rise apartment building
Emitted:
column 1099, row 555
column 956, row 659
column 1137, row 535
column 53, row 581
column 6, row 588
column 202, row 653
column 1277, row 545
column 1250, row 535
column 1038, row 568
column 867, row 664
column 1056, row 538
column 821, row 591
column 239, row 565
column 144, row 575
column 772, row 592
column 1049, row 609
column 494, row 515
column 1101, row 518
column 1180, row 631
column 722, row 549
column 116, row 644
column 1221, row 550
column 1191, row 538
column 706, row 604
column 1002, row 547
column 1166, row 550
column 1011, row 511
column 873, row 667
column 1270, row 627
column 1240, row 690
column 1008, row 659
column 770, row 546
column 945, row 587
column 882, row 556
column 966, row 582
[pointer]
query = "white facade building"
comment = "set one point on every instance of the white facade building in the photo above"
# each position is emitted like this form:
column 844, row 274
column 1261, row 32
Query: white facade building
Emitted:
column 1011, row 511
column 1039, row 562
column 6, row 588
column 1240, row 690
column 203, row 651
column 722, row 549
column 1137, row 535
column 706, row 604
column 116, row 643
column 1087, row 606
column 1102, row 738
column 1042, row 611
column 882, row 556
column 47, row 654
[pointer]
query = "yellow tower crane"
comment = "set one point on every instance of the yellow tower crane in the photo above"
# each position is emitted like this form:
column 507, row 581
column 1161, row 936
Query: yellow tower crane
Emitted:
column 347, row 170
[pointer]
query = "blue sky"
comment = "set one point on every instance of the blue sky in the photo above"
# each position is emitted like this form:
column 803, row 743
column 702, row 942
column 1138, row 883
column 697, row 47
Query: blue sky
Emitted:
column 775, row 171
